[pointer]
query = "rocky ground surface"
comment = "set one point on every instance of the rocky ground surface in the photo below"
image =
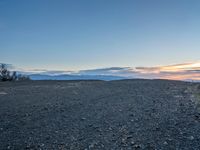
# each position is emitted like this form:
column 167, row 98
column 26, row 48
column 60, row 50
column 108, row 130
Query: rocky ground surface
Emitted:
column 92, row 115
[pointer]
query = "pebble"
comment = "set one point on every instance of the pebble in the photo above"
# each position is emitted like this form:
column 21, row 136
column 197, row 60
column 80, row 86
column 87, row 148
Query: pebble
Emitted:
column 165, row 143
column 129, row 136
column 56, row 131
column 131, row 115
column 90, row 125
column 191, row 137
column 91, row 145
column 132, row 143
column 137, row 146
column 83, row 118
column 3, row 93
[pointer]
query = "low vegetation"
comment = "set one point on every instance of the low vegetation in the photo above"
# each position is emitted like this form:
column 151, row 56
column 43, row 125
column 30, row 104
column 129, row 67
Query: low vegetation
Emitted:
column 6, row 75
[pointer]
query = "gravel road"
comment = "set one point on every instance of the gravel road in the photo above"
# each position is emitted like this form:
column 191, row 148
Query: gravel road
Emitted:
column 98, row 115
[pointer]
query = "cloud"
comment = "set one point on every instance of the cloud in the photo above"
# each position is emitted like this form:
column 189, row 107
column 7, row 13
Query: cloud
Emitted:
column 185, row 71
column 117, row 71
column 170, row 68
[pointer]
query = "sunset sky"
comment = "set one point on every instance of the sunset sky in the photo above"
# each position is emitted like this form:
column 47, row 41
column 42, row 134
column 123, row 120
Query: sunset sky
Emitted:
column 140, row 38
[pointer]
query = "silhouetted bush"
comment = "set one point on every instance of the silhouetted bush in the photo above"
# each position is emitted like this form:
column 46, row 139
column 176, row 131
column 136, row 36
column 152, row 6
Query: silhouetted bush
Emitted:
column 23, row 78
column 6, row 75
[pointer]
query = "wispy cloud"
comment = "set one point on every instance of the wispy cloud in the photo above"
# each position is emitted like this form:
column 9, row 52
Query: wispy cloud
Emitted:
column 185, row 71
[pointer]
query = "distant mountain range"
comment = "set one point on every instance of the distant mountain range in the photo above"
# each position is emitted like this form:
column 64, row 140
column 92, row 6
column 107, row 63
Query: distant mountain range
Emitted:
column 75, row 77
column 173, row 72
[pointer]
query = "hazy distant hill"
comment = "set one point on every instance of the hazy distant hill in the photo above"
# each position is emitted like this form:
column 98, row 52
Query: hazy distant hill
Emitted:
column 74, row 77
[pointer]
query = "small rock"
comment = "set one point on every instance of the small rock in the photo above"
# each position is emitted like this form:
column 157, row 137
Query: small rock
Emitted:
column 56, row 131
column 91, row 145
column 27, row 147
column 137, row 146
column 99, row 130
column 47, row 138
column 45, row 108
column 27, row 114
column 83, row 119
column 3, row 93
column 62, row 110
column 123, row 141
column 132, row 143
column 90, row 125
column 131, row 115
column 165, row 143
column 191, row 137
column 157, row 128
column 129, row 137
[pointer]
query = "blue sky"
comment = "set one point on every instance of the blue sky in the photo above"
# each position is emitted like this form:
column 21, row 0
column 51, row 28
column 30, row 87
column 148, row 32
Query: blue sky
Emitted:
column 86, row 34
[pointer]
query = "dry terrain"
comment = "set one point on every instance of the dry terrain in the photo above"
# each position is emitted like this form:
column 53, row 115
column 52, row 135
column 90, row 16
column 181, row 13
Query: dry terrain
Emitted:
column 92, row 115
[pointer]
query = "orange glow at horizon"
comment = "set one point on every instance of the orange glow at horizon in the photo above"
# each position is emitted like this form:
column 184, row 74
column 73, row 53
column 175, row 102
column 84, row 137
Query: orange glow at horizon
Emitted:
column 172, row 72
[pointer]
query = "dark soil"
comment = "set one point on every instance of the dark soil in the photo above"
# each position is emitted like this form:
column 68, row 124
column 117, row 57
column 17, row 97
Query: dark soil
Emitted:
column 128, row 114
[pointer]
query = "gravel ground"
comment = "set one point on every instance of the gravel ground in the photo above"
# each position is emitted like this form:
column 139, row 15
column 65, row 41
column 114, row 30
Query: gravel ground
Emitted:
column 92, row 115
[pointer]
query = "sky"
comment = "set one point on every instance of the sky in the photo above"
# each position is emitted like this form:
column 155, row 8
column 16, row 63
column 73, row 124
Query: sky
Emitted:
column 74, row 35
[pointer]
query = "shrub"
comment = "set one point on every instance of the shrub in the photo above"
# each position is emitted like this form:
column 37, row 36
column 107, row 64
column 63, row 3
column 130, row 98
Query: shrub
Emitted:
column 23, row 78
column 6, row 75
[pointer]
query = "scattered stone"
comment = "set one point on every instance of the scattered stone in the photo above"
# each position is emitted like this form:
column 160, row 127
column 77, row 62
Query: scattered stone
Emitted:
column 165, row 143
column 191, row 137
column 83, row 119
column 56, row 131
column 91, row 145
column 90, row 125
column 129, row 137
column 137, row 146
column 27, row 114
column 123, row 140
column 131, row 115
column 132, row 143
column 47, row 138
column 157, row 128
column 3, row 93
column 110, row 128
column 46, row 108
